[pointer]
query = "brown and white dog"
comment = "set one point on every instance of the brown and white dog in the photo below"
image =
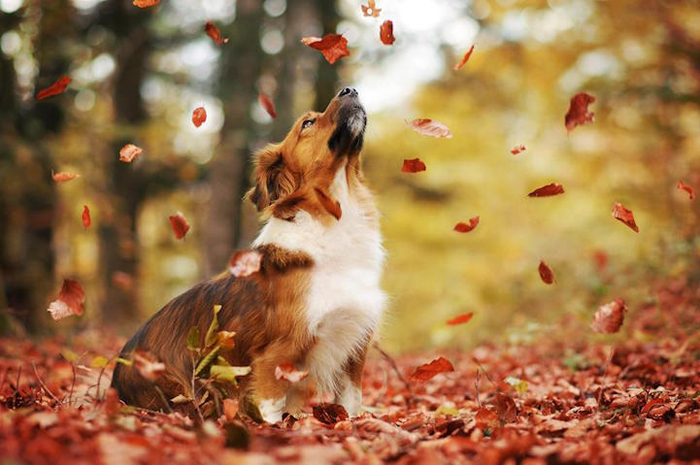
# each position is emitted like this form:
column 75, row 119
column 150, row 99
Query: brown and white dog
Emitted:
column 316, row 301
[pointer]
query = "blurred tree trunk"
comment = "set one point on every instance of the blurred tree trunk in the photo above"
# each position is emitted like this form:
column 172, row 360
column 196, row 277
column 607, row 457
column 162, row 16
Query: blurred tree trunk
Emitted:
column 29, row 197
column 327, row 74
column 125, row 188
column 241, row 63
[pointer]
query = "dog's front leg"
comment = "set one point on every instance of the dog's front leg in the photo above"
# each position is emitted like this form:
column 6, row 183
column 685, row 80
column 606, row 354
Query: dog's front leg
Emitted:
column 269, row 393
column 349, row 388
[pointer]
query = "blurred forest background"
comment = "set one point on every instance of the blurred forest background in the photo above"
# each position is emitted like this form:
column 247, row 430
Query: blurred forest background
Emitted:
column 138, row 74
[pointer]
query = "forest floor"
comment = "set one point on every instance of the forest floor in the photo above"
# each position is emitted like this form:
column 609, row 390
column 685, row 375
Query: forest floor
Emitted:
column 629, row 398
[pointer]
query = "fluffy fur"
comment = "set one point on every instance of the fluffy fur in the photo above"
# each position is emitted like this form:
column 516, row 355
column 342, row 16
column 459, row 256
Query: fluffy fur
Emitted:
column 315, row 303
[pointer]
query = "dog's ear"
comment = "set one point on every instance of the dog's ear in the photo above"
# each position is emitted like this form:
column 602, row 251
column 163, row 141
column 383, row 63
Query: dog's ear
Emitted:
column 273, row 180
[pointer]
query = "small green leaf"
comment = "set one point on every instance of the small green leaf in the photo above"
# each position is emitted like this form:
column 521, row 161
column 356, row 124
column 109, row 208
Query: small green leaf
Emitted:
column 180, row 399
column 518, row 384
column 193, row 338
column 70, row 355
column 210, row 338
column 222, row 361
column 445, row 410
column 206, row 361
column 99, row 362
column 228, row 374
column 124, row 361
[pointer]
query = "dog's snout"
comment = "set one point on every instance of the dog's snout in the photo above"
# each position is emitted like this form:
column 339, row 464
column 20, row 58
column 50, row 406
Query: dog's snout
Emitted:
column 348, row 91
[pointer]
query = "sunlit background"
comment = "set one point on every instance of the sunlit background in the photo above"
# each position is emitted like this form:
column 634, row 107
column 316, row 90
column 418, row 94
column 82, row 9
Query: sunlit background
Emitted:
column 138, row 74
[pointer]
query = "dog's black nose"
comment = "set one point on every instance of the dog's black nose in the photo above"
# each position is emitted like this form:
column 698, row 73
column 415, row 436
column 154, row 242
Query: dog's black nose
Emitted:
column 348, row 90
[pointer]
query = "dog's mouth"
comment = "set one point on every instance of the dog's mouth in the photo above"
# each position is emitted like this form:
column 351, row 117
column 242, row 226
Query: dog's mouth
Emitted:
column 351, row 120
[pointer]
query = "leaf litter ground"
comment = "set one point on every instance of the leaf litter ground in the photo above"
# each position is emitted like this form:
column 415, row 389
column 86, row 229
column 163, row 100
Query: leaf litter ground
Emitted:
column 633, row 397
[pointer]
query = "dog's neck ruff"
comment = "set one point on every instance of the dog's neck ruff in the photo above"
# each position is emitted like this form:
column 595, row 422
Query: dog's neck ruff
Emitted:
column 344, row 300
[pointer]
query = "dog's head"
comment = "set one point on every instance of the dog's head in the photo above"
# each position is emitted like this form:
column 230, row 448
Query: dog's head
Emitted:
column 298, row 172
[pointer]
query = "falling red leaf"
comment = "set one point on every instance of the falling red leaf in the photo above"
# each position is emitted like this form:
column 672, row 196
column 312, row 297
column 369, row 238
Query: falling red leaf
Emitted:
column 578, row 111
column 429, row 370
column 148, row 365
column 87, row 221
column 464, row 227
column 370, row 9
column 288, row 372
column 179, row 224
column 428, row 127
column 464, row 59
column 123, row 281
column 129, row 153
column 213, row 32
column 332, row 46
column 56, row 88
column 267, row 104
column 609, row 318
column 69, row 302
column 548, row 190
column 600, row 258
column 146, row 3
column 330, row 414
column 414, row 165
column 517, row 150
column 686, row 188
column 63, row 177
column 546, row 273
column 505, row 408
column 386, row 33
column 460, row 319
column 244, row 263
column 486, row 419
column 619, row 212
column 199, row 116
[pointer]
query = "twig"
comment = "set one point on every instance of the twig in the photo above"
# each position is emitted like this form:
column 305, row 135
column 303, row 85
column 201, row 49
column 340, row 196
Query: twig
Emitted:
column 163, row 398
column 43, row 386
column 99, row 378
column 395, row 367
column 486, row 373
column 476, row 386
column 19, row 375
column 194, row 391
column 605, row 374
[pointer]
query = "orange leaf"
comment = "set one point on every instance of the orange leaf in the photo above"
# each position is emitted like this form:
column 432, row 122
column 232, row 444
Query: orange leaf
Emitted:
column 486, row 419
column 69, row 302
column 688, row 189
column 148, row 365
column 619, row 212
column 146, row 3
column 649, row 405
column 244, row 263
column 386, row 33
column 370, row 9
column 199, row 116
column 546, row 273
column 230, row 409
column 429, row 370
column 56, row 88
column 517, row 150
column 87, row 221
column 267, row 104
column 213, row 32
column 460, row 319
column 609, row 318
column 578, row 111
column 548, row 190
column 179, row 224
column 428, row 127
column 129, row 153
column 464, row 59
column 413, row 165
column 332, row 46
column 63, row 177
column 464, row 227
column 288, row 372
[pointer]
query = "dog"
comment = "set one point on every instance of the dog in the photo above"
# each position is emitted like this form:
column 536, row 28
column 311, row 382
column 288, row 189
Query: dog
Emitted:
column 316, row 301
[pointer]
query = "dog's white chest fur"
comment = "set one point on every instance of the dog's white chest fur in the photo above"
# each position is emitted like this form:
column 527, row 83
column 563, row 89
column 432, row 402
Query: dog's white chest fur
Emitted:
column 344, row 301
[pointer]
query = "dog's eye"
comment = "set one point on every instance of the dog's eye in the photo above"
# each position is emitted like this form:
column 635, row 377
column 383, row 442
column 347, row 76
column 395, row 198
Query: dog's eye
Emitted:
column 307, row 123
